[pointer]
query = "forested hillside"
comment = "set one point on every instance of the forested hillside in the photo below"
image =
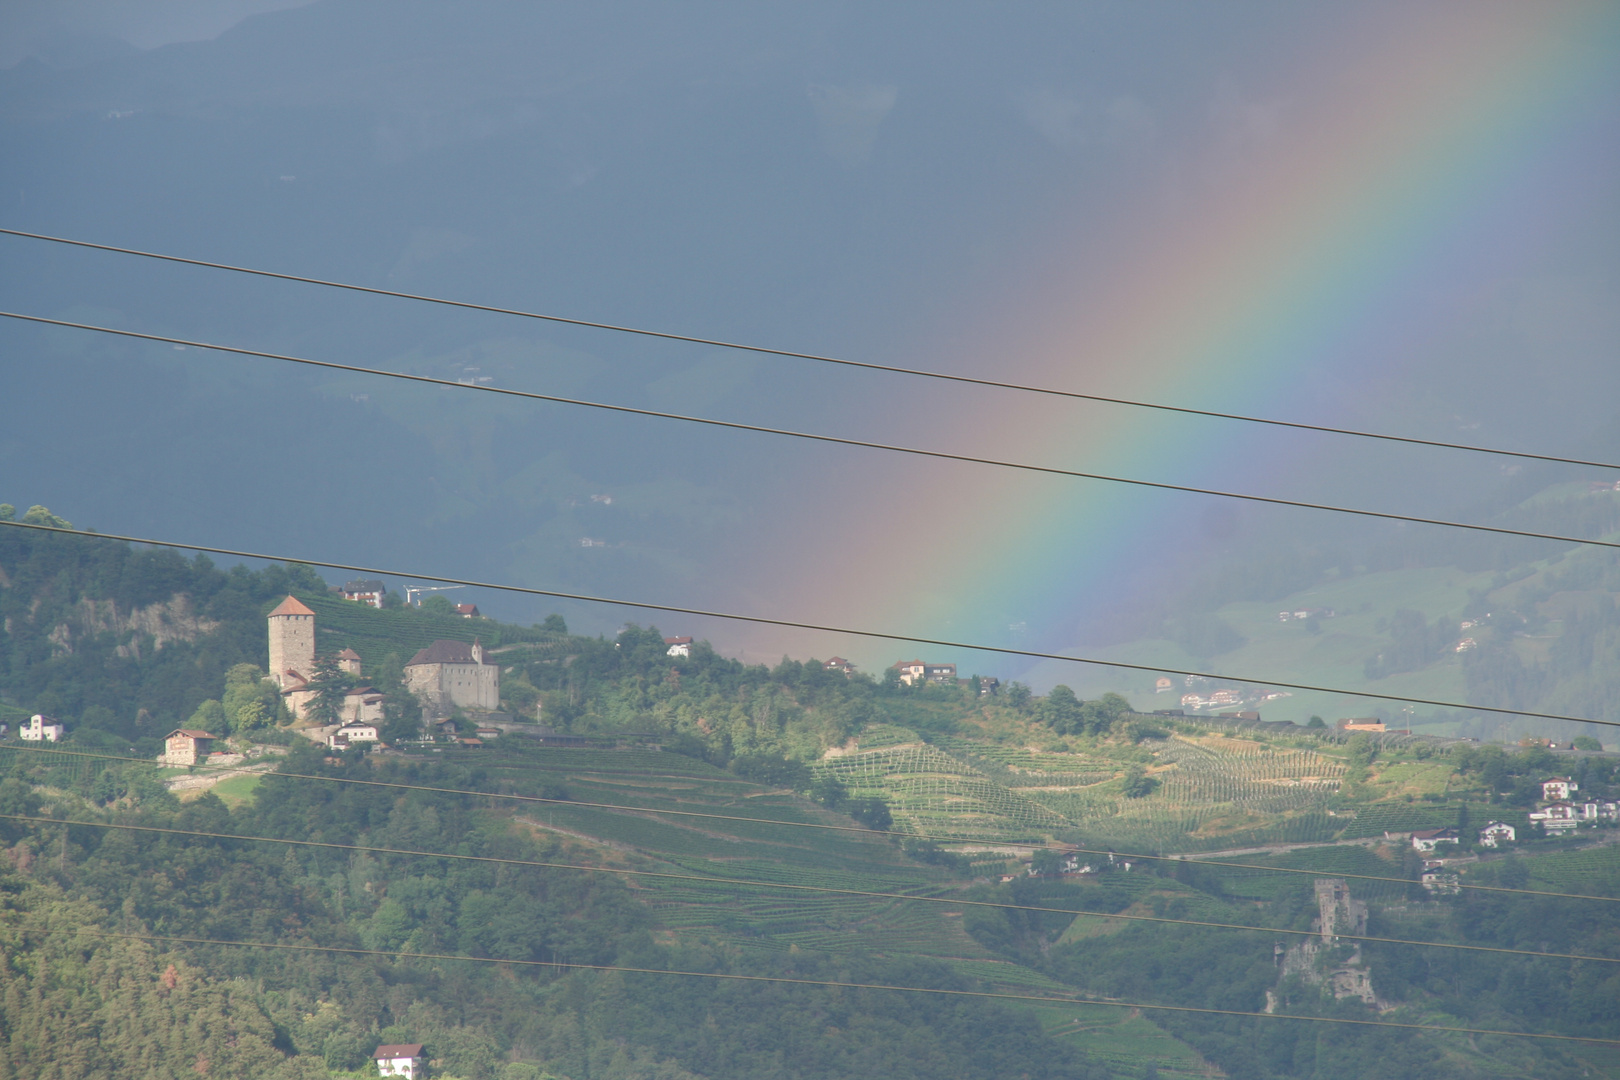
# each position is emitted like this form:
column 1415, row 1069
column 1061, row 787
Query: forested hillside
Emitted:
column 788, row 824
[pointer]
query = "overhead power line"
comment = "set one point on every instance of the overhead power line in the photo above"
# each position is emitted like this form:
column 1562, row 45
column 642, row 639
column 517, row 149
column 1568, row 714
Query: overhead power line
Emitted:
column 795, row 624
column 784, row 979
column 942, row 455
column 860, row 830
column 869, row 894
column 842, row 361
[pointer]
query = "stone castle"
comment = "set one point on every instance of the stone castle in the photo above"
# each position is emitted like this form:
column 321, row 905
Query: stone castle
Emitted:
column 446, row 675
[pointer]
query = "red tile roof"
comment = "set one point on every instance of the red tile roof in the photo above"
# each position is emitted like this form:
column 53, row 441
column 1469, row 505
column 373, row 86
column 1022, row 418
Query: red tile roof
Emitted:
column 291, row 606
column 183, row 732
column 348, row 654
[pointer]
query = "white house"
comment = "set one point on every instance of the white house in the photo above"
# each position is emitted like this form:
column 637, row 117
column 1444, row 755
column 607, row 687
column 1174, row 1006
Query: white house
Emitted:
column 678, row 646
column 1558, row 788
column 1429, row 839
column 401, row 1059
column 41, row 728
column 1496, row 834
column 1557, row 817
column 350, row 733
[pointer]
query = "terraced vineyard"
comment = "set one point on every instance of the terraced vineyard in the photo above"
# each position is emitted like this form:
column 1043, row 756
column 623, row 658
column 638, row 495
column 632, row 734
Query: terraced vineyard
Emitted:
column 1212, row 792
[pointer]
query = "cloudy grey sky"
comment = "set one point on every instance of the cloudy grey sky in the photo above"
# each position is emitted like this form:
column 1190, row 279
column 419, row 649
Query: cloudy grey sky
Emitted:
column 1051, row 192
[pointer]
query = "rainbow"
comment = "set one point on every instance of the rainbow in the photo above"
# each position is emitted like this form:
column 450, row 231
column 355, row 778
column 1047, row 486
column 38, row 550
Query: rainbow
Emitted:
column 1407, row 155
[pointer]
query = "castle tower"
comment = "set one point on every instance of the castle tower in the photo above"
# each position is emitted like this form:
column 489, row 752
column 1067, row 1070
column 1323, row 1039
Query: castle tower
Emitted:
column 292, row 642
column 348, row 660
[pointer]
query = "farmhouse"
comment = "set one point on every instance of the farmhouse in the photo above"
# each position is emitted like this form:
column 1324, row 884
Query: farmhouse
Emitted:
column 678, row 646
column 41, row 728
column 1496, row 834
column 1361, row 723
column 452, row 674
column 468, row 611
column 183, row 747
column 840, row 665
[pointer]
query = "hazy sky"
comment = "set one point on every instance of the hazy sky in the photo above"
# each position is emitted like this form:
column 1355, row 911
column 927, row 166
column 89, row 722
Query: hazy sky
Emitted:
column 1400, row 216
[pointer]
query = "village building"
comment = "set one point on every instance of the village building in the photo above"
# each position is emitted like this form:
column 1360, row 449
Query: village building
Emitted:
column 352, row 733
column 448, row 675
column 1361, row 723
column 913, row 672
column 1557, row 817
column 41, row 728
column 839, row 665
column 400, row 1059
column 349, row 661
column 678, row 646
column 1496, row 834
column 367, row 591
column 468, row 611
column 1437, row 880
column 185, row 747
column 989, row 685
column 1429, row 839
column 362, row 705
column 1558, row 788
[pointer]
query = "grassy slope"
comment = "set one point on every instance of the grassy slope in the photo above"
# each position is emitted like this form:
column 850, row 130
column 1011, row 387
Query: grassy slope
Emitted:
column 761, row 848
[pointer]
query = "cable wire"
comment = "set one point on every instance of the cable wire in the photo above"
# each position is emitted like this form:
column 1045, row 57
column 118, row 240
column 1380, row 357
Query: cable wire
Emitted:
column 822, row 889
column 991, row 994
column 893, row 448
column 762, row 620
column 863, row 364
column 861, row 830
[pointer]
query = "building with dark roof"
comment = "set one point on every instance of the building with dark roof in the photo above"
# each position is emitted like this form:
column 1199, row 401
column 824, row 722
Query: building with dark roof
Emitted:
column 452, row 674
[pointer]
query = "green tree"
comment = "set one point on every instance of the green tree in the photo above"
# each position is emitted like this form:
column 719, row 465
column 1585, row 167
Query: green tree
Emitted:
column 1586, row 742
column 8, row 512
column 1046, row 863
column 1316, row 722
column 331, row 684
column 555, row 624
column 38, row 515
column 251, row 701
column 438, row 604
column 872, row 812
column 829, row 791
column 1138, row 783
column 1062, row 712
column 1018, row 696
column 209, row 717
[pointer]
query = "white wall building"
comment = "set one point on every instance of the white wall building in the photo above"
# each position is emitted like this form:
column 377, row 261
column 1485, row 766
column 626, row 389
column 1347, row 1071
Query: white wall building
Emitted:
column 402, row 1059
column 41, row 728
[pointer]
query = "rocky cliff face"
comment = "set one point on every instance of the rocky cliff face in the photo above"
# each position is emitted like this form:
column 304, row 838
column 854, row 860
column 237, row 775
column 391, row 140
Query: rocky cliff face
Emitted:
column 154, row 625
